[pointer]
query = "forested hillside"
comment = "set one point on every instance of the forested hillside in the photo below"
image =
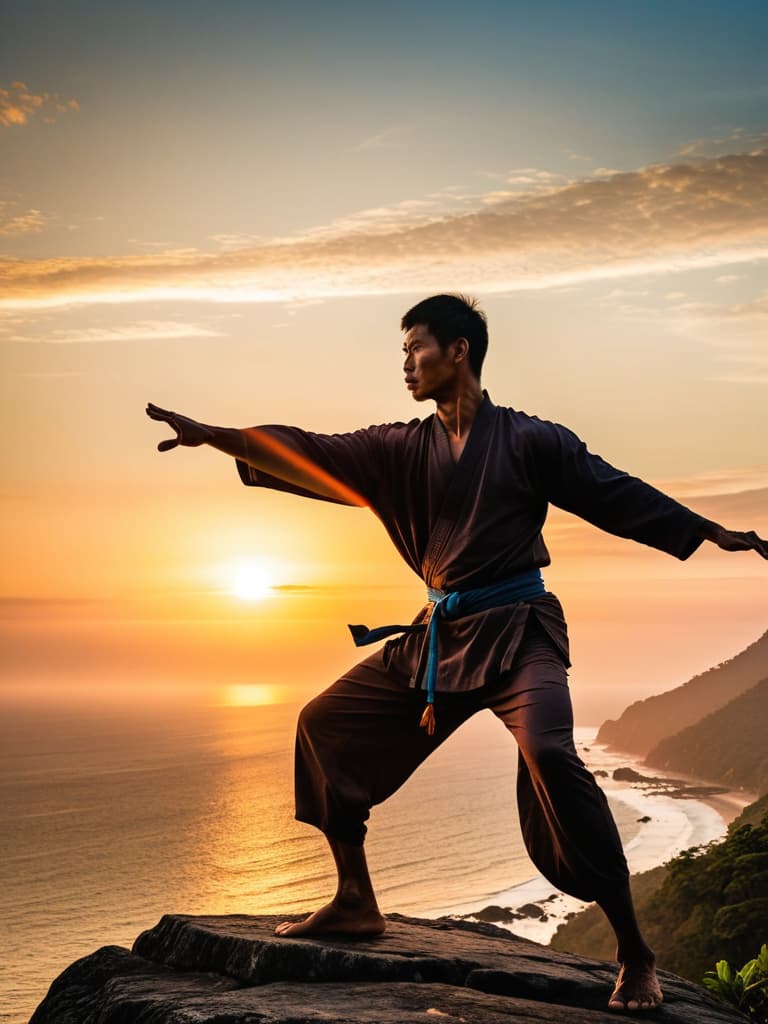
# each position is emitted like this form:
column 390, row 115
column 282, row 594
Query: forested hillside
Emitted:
column 730, row 746
column 644, row 724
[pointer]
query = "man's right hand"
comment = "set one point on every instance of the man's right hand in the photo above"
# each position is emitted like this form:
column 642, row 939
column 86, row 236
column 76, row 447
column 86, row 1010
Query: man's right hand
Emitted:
column 189, row 432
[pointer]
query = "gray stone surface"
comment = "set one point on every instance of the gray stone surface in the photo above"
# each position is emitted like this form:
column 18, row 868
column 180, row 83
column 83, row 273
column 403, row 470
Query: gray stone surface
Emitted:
column 233, row 970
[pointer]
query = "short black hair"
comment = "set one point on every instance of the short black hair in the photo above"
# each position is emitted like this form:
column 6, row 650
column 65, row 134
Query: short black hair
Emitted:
column 449, row 317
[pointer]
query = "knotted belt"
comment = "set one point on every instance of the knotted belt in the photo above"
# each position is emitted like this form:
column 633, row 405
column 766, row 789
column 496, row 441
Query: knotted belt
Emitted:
column 454, row 604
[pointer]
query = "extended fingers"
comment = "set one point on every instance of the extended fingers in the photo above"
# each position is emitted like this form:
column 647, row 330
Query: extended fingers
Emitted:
column 164, row 416
column 156, row 413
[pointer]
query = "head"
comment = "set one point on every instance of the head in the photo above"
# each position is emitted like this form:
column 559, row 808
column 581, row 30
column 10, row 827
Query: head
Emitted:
column 446, row 337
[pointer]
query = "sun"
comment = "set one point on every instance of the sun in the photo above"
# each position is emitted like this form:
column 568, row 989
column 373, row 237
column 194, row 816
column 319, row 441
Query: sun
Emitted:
column 251, row 581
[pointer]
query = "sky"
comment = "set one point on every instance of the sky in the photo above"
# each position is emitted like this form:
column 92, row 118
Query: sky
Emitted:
column 226, row 208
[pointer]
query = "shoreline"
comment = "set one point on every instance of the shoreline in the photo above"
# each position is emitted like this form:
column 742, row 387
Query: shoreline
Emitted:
column 655, row 826
column 730, row 804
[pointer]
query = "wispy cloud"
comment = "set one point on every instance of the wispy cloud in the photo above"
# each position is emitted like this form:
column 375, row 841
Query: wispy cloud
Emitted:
column 18, row 105
column 663, row 218
column 142, row 330
column 724, row 143
column 388, row 138
column 12, row 223
column 733, row 332
column 717, row 482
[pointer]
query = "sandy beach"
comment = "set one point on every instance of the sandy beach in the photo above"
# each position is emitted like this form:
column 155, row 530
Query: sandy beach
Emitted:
column 654, row 826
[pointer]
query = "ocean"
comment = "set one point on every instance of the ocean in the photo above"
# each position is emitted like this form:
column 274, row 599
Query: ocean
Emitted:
column 110, row 818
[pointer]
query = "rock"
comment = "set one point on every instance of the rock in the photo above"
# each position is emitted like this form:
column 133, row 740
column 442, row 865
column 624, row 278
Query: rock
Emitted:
column 600, row 773
column 493, row 915
column 233, row 970
column 531, row 910
column 644, row 820
column 630, row 775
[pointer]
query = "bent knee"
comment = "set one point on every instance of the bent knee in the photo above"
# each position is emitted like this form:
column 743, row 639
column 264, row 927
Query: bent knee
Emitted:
column 549, row 753
column 312, row 716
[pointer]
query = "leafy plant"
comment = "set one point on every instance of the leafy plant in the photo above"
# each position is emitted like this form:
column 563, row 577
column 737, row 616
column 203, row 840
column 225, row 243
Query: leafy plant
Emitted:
column 746, row 989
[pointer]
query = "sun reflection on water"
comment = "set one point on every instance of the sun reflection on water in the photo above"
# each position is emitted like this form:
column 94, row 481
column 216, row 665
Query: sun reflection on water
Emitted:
column 250, row 695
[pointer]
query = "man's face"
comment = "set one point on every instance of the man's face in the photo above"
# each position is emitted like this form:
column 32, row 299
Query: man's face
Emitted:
column 429, row 371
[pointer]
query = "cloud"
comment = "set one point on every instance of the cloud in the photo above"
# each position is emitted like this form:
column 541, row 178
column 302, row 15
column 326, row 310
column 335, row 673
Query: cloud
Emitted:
column 689, row 314
column 389, row 138
column 18, row 105
column 142, row 330
column 716, row 146
column 30, row 222
column 658, row 219
column 716, row 483
column 734, row 332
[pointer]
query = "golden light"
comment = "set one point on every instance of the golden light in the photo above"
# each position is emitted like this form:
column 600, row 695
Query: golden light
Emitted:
column 250, row 695
column 251, row 581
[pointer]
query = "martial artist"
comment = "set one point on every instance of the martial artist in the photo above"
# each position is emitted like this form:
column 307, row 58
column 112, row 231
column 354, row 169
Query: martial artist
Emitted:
column 463, row 495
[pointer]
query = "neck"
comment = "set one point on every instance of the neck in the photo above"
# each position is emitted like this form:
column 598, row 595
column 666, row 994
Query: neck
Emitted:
column 458, row 410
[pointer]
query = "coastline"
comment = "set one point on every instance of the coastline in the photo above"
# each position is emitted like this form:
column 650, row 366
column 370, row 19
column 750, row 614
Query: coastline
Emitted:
column 655, row 827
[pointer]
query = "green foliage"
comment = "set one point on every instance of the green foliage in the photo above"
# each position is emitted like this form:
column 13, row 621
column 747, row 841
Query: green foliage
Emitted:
column 706, row 905
column 713, row 903
column 746, row 989
column 753, row 814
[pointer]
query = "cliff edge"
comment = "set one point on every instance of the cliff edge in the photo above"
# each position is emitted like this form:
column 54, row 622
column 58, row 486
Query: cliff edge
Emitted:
column 233, row 970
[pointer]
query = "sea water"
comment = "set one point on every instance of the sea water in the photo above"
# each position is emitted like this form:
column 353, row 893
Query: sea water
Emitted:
column 109, row 819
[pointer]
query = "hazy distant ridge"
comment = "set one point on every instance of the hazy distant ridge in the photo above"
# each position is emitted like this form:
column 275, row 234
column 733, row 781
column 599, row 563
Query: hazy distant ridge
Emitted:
column 644, row 724
column 728, row 746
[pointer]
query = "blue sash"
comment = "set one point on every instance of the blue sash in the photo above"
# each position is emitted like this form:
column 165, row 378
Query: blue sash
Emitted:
column 454, row 604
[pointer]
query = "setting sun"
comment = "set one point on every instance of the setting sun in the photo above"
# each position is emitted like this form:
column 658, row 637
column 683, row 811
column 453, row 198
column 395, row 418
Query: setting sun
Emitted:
column 251, row 581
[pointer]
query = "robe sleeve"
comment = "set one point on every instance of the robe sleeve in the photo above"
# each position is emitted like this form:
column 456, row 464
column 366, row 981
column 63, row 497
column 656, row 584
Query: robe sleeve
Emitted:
column 575, row 479
column 344, row 466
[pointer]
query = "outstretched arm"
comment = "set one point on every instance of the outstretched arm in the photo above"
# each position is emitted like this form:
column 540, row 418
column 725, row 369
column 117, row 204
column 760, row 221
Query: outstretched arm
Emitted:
column 583, row 483
column 733, row 540
column 285, row 458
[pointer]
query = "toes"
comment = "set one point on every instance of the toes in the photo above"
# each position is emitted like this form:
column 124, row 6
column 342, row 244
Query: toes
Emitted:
column 631, row 1005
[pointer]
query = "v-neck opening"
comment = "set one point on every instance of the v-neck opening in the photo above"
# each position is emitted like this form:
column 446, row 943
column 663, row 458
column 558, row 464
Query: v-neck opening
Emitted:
column 455, row 462
column 446, row 503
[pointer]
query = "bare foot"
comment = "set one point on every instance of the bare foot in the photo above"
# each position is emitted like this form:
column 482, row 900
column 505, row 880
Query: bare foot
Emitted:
column 637, row 987
column 337, row 919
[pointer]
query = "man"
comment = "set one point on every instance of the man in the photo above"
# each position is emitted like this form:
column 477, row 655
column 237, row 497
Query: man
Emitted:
column 463, row 495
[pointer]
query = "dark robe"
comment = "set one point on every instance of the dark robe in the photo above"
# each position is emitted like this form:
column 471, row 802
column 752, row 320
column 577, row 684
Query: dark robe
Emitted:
column 460, row 526
column 479, row 521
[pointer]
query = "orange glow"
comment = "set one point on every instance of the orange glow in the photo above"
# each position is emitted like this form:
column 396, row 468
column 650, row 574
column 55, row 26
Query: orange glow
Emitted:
column 308, row 474
column 250, row 695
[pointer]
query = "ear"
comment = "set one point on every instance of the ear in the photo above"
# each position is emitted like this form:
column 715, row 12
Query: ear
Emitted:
column 460, row 350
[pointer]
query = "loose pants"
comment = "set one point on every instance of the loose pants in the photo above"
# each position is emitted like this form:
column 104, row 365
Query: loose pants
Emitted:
column 359, row 740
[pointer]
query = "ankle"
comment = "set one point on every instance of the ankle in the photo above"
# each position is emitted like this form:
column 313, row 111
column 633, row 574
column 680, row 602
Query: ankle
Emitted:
column 350, row 897
column 638, row 953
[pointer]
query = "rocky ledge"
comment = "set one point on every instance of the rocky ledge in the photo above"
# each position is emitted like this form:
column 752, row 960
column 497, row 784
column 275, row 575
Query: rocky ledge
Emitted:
column 233, row 970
